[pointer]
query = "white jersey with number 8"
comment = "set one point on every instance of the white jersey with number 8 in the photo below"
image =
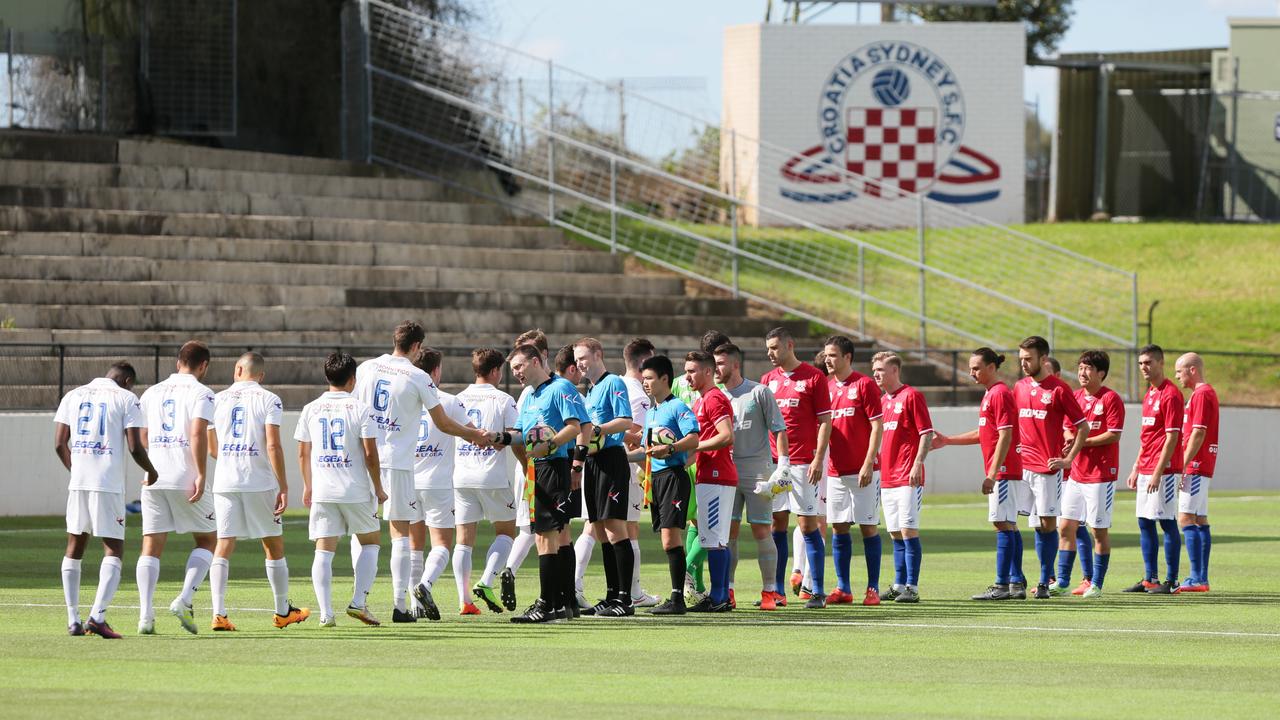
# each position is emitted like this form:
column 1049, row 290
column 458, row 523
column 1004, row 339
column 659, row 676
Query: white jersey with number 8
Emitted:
column 241, row 415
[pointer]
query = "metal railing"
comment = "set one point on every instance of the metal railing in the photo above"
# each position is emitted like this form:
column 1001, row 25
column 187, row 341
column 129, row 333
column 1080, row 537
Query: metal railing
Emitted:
column 637, row 176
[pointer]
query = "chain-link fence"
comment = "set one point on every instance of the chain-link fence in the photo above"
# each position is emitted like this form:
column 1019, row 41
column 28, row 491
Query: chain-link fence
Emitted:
column 1240, row 163
column 189, row 66
column 68, row 83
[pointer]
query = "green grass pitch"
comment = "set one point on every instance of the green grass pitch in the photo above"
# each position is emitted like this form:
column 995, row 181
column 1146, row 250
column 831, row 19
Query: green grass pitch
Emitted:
column 1215, row 655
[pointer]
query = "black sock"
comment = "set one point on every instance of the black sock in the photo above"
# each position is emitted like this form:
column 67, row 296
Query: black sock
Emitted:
column 566, row 561
column 626, row 563
column 610, row 569
column 548, row 578
column 675, row 563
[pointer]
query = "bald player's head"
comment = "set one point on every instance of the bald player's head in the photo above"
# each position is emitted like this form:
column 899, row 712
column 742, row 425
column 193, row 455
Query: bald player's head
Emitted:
column 250, row 366
column 1189, row 370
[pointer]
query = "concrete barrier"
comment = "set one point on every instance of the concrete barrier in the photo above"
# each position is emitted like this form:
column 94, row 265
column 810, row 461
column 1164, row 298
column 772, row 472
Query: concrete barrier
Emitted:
column 33, row 482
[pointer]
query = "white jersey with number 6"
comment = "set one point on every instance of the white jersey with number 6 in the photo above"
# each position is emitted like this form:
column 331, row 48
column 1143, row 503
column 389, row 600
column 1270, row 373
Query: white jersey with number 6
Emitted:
column 396, row 392
column 336, row 425
column 170, row 406
column 98, row 414
column 241, row 415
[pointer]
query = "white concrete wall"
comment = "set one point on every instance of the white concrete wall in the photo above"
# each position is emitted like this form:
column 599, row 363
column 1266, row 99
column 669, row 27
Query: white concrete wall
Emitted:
column 33, row 482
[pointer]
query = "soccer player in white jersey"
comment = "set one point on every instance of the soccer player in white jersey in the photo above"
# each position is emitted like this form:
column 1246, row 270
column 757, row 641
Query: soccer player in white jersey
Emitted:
column 93, row 426
column 398, row 392
column 433, row 482
column 482, row 478
column 250, row 490
column 338, row 454
column 525, row 536
column 633, row 355
column 1199, row 459
column 178, row 412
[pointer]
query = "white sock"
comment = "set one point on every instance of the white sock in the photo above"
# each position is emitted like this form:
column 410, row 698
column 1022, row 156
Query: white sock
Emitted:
column 146, row 574
column 636, row 590
column 197, row 568
column 520, row 549
column 219, row 572
column 366, row 569
column 495, row 558
column 462, row 573
column 278, row 576
column 71, row 588
column 799, row 558
column 434, row 565
column 401, row 564
column 415, row 571
column 108, row 581
column 582, row 549
column 322, row 581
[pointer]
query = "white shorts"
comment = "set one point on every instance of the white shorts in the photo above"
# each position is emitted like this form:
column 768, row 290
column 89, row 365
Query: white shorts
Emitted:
column 1040, row 495
column 1002, row 503
column 1072, row 501
column 335, row 519
column 1098, row 500
column 1161, row 504
column 1195, row 499
column 402, row 499
column 715, row 506
column 434, row 507
column 247, row 515
column 848, row 503
column 100, row 514
column 902, row 507
column 471, row 505
column 166, row 511
column 803, row 499
column 635, row 496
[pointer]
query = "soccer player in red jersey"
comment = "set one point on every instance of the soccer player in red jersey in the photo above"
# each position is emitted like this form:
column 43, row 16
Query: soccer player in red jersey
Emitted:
column 717, row 476
column 801, row 393
column 1154, row 474
column 853, row 479
column 997, row 434
column 1093, row 474
column 1199, row 456
column 908, row 432
column 1044, row 401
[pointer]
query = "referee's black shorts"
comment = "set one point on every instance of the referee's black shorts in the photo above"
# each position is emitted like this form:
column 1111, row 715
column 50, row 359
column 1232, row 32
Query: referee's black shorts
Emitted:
column 670, row 507
column 607, row 484
column 552, row 506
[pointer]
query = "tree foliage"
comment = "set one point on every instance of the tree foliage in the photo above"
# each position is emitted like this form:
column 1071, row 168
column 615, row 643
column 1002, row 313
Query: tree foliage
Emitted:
column 1045, row 21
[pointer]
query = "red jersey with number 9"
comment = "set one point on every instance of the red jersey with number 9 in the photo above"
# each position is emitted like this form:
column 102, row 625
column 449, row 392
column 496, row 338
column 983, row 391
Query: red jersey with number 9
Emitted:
column 803, row 399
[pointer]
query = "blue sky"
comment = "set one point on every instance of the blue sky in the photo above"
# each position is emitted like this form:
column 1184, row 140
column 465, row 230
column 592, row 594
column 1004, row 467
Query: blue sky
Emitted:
column 682, row 38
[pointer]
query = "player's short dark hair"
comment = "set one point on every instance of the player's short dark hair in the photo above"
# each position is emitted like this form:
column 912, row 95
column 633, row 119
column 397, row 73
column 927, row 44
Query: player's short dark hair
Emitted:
column 704, row 359
column 534, row 337
column 636, row 351
column 660, row 365
column 122, row 371
column 193, row 354
column 408, row 334
column 842, row 343
column 564, row 358
column 339, row 368
column 780, row 334
column 527, row 351
column 427, row 359
column 485, row 361
column 1153, row 351
column 1097, row 359
column 711, row 340
column 989, row 356
column 730, row 351
column 1035, row 342
column 1053, row 363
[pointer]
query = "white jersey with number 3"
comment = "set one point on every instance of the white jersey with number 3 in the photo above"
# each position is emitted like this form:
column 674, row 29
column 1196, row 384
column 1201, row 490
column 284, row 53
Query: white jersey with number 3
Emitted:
column 491, row 410
column 396, row 392
column 336, row 425
column 241, row 414
column 170, row 406
column 98, row 414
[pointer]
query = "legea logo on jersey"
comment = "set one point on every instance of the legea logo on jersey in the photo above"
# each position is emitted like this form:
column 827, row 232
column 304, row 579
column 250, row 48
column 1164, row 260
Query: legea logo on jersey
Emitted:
column 892, row 112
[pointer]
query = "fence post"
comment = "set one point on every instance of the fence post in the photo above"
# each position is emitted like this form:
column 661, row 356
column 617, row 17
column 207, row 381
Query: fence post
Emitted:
column 156, row 350
column 551, row 143
column 613, row 204
column 1101, row 131
column 9, row 74
column 920, row 238
column 1232, row 152
column 955, row 386
column 733, row 242
column 520, row 114
column 102, row 84
column 366, row 40
column 622, row 116
column 733, row 209
column 62, row 369
column 862, row 289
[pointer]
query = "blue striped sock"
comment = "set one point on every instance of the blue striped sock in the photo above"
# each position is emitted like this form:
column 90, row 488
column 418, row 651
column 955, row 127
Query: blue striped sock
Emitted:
column 913, row 559
column 899, row 562
column 872, row 547
column 1015, row 573
column 1100, row 564
column 1172, row 549
column 1191, row 537
column 1206, row 541
column 842, row 555
column 1004, row 556
column 816, row 551
column 1066, row 560
column 1150, row 548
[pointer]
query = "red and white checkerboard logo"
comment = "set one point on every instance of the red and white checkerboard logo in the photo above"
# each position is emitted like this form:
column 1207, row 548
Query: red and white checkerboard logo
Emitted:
column 893, row 146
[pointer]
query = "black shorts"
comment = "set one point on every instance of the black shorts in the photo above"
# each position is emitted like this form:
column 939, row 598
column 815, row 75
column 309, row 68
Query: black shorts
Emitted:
column 670, row 507
column 607, row 483
column 552, row 502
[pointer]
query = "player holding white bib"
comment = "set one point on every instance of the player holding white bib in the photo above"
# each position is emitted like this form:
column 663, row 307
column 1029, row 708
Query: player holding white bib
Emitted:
column 397, row 392
column 1199, row 458
column 91, row 429
column 250, row 491
column 338, row 454
column 178, row 411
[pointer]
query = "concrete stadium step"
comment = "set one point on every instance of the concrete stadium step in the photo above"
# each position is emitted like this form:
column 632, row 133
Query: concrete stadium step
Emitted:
column 308, row 253
column 214, row 225
column 196, row 320
column 168, row 292
column 242, row 203
column 165, row 177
